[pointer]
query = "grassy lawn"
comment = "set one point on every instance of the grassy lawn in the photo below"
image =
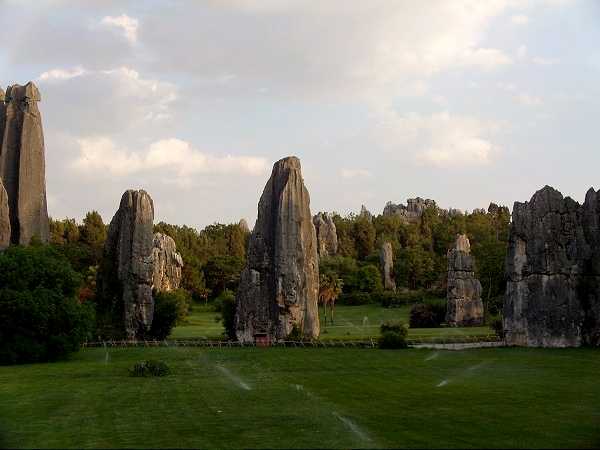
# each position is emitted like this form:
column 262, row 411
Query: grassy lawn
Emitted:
column 327, row 398
column 350, row 322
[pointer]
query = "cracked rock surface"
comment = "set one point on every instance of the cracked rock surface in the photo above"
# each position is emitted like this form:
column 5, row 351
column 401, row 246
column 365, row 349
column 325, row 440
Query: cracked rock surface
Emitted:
column 553, row 271
column 279, row 286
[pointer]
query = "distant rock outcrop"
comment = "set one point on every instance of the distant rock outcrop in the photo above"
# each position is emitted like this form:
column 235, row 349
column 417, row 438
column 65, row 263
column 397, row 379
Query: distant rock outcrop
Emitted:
column 327, row 242
column 464, row 307
column 125, row 279
column 386, row 259
column 244, row 226
column 167, row 264
column 553, row 269
column 412, row 212
column 365, row 213
column 279, row 286
column 4, row 218
column 22, row 163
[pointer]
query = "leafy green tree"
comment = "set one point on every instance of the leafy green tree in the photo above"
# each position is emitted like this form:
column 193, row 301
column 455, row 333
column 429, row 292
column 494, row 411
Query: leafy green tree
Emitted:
column 364, row 236
column 223, row 272
column 40, row 316
column 166, row 311
column 225, row 304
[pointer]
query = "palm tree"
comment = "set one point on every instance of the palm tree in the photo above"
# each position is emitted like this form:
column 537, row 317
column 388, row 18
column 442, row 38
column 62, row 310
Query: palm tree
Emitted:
column 330, row 288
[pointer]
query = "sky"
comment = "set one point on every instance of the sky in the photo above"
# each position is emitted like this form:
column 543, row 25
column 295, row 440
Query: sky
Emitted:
column 462, row 101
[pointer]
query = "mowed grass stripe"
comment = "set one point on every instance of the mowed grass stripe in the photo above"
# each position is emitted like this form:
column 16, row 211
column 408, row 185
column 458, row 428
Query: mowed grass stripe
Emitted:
column 493, row 398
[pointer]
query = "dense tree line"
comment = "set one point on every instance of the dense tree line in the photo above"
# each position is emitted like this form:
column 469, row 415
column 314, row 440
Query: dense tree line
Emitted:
column 56, row 283
column 420, row 250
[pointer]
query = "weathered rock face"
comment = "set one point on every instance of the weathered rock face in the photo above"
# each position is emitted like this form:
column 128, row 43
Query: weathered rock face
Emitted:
column 167, row 264
column 4, row 218
column 125, row 280
column 465, row 307
column 327, row 243
column 386, row 260
column 412, row 212
column 553, row 269
column 244, row 226
column 22, row 164
column 279, row 285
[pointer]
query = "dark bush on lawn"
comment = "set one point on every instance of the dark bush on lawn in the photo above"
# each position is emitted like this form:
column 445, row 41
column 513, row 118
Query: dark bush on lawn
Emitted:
column 430, row 314
column 149, row 369
column 496, row 325
column 225, row 304
column 393, row 335
column 40, row 316
column 166, row 310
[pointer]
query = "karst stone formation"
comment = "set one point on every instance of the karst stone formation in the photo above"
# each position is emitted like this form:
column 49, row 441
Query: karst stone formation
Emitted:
column 126, row 278
column 412, row 212
column 386, row 261
column 327, row 242
column 464, row 307
column 22, row 163
column 279, row 286
column 167, row 264
column 553, row 269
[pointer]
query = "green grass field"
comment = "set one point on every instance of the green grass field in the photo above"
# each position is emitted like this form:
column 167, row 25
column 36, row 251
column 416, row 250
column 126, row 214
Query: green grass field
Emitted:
column 327, row 398
column 350, row 322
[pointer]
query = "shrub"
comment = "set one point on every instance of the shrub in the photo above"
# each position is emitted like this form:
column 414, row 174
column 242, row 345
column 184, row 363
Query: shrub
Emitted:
column 496, row 325
column 183, row 300
column 225, row 304
column 149, row 369
column 428, row 315
column 166, row 309
column 393, row 335
column 394, row 327
column 40, row 317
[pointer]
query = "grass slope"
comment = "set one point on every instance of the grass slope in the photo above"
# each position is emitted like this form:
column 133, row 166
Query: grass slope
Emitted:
column 306, row 398
column 350, row 322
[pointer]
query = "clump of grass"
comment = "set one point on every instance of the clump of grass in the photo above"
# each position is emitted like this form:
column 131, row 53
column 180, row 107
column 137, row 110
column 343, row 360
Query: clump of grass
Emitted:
column 149, row 368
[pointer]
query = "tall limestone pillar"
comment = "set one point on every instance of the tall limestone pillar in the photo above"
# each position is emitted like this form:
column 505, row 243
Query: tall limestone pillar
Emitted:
column 279, row 286
column 22, row 163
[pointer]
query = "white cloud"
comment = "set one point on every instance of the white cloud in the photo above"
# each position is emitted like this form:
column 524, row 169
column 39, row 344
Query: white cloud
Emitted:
column 128, row 26
column 62, row 74
column 519, row 19
column 545, row 61
column 104, row 101
column 440, row 139
column 177, row 158
column 528, row 100
column 355, row 173
column 371, row 50
column 522, row 52
column 101, row 156
column 486, row 58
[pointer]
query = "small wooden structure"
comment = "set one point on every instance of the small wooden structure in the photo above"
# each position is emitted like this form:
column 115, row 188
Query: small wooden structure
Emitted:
column 262, row 339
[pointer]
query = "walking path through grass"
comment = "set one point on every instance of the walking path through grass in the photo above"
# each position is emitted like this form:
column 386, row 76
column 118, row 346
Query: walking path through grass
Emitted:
column 300, row 398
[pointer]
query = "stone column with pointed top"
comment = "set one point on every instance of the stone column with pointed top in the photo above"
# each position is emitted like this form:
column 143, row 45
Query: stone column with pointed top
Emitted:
column 386, row 260
column 125, row 279
column 22, row 164
column 279, row 286
column 465, row 307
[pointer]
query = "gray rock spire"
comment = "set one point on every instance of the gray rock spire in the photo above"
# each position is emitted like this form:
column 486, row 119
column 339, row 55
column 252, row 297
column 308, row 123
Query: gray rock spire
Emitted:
column 279, row 286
